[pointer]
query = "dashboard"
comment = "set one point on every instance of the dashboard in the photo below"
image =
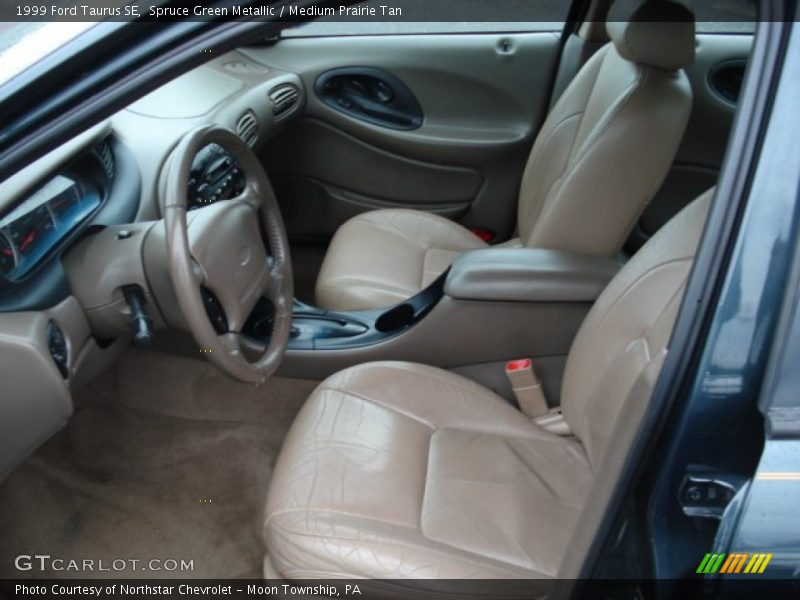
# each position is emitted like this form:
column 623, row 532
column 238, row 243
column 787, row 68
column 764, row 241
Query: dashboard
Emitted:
column 112, row 174
column 80, row 223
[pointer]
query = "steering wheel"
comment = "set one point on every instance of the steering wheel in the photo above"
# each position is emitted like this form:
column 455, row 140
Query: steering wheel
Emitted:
column 217, row 257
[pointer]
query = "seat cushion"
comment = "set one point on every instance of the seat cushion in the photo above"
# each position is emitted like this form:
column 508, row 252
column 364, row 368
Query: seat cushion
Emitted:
column 383, row 257
column 396, row 470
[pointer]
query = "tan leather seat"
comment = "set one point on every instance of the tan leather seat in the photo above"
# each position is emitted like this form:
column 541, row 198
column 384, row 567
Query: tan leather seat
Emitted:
column 599, row 158
column 385, row 256
column 396, row 470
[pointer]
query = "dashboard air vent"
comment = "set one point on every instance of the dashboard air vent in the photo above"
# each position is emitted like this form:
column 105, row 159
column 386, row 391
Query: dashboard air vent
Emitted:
column 247, row 128
column 106, row 157
column 284, row 99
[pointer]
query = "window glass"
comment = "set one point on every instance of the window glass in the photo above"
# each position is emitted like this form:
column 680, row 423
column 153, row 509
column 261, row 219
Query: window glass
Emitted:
column 730, row 16
column 23, row 44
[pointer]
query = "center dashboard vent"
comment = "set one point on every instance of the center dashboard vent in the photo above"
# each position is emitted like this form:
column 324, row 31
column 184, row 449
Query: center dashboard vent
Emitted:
column 247, row 128
column 105, row 155
column 284, row 99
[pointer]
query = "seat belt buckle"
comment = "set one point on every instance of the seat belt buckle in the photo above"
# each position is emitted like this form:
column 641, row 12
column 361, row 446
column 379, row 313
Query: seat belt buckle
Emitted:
column 527, row 387
column 554, row 422
column 486, row 235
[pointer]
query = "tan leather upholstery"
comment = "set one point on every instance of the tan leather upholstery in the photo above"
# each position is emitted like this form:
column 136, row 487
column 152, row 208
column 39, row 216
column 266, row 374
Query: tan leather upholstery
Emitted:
column 659, row 34
column 624, row 337
column 599, row 158
column 385, row 256
column 602, row 154
column 402, row 470
column 397, row 470
column 528, row 275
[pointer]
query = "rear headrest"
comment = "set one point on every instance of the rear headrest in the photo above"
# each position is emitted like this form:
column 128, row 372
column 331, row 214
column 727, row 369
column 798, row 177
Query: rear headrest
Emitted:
column 659, row 33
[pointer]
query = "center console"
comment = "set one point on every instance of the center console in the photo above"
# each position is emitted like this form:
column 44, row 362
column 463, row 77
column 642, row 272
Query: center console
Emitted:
column 319, row 329
column 493, row 304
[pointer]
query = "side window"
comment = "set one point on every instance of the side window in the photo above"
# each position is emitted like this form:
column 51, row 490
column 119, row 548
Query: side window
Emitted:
column 386, row 17
column 731, row 16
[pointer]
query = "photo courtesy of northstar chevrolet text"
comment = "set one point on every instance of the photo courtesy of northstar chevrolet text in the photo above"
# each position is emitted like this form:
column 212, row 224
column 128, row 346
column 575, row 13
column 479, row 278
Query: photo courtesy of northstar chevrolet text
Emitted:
column 400, row 299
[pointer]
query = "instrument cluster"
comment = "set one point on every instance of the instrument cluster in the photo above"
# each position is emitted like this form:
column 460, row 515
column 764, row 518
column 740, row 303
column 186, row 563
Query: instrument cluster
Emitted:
column 41, row 221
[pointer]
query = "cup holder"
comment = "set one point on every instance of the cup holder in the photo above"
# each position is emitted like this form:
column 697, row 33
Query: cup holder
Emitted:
column 320, row 329
column 398, row 317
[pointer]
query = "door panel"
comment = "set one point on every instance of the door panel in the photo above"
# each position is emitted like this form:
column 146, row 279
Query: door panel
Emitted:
column 327, row 189
column 700, row 155
column 482, row 97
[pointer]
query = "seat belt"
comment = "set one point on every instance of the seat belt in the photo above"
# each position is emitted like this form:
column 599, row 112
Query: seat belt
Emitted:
column 527, row 387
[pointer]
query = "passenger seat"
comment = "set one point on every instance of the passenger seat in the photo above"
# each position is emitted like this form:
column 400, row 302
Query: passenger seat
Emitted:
column 599, row 158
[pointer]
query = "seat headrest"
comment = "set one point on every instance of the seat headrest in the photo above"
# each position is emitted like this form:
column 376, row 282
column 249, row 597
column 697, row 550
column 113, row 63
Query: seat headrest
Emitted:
column 659, row 33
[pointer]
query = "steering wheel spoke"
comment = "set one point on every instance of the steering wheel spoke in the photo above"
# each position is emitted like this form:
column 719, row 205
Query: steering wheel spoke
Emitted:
column 231, row 343
column 197, row 271
column 252, row 195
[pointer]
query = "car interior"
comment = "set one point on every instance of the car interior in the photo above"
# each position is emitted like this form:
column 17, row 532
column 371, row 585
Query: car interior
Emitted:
column 373, row 306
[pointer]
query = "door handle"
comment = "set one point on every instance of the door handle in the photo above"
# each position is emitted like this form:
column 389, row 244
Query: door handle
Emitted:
column 371, row 95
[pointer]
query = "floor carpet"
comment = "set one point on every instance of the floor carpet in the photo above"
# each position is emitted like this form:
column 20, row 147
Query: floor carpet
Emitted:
column 165, row 458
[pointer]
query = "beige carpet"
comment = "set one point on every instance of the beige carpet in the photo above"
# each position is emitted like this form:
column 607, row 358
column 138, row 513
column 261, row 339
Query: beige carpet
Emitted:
column 165, row 458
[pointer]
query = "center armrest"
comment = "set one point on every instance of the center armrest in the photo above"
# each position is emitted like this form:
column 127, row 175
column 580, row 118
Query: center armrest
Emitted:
column 529, row 275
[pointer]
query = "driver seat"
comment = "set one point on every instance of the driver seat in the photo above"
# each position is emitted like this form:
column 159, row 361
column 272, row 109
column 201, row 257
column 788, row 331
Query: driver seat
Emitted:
column 395, row 470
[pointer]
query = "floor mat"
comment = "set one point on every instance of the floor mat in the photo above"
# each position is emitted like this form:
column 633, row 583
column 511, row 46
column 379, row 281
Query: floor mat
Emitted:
column 165, row 459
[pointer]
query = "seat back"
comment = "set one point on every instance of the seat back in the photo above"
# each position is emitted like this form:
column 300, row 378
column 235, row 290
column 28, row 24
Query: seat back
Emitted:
column 609, row 141
column 622, row 344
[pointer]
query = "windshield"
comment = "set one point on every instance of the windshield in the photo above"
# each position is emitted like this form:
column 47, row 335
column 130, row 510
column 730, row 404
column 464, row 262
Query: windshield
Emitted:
column 23, row 44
